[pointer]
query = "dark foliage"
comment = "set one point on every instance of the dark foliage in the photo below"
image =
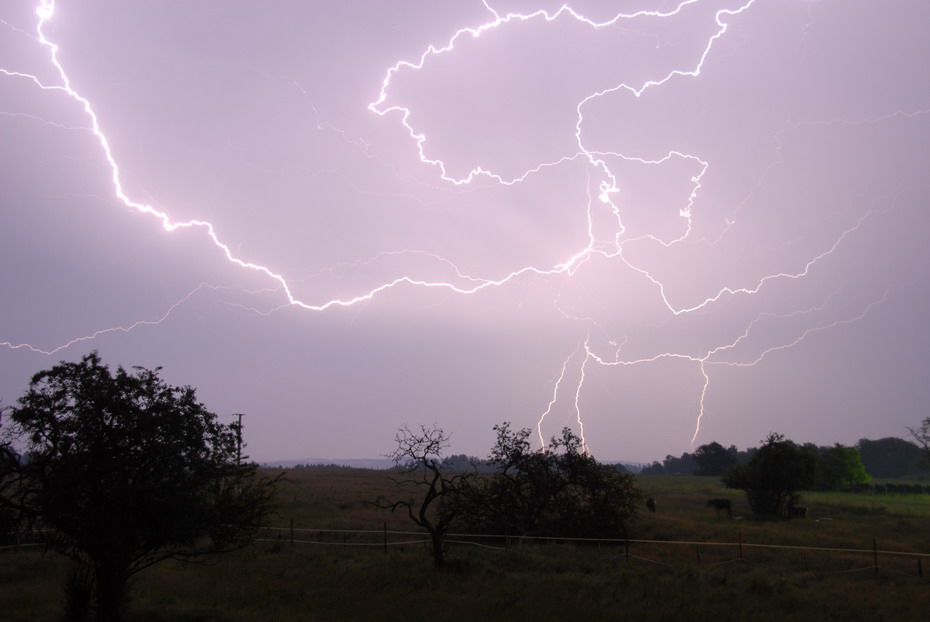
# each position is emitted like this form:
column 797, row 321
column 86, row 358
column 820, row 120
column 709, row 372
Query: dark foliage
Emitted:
column 706, row 460
column 560, row 491
column 127, row 471
column 890, row 457
column 681, row 465
column 773, row 476
column 714, row 459
column 837, row 469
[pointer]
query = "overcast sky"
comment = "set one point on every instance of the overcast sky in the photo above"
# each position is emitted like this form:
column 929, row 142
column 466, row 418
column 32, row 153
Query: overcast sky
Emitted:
column 661, row 224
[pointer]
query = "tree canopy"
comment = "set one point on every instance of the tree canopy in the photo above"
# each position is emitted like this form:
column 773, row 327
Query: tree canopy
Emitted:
column 127, row 471
column 714, row 459
column 890, row 457
column 773, row 476
column 840, row 468
column 558, row 490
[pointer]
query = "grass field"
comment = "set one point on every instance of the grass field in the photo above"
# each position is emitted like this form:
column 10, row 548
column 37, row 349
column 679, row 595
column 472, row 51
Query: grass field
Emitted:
column 684, row 564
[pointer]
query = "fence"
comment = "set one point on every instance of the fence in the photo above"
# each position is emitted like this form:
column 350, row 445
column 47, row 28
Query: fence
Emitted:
column 24, row 540
column 666, row 552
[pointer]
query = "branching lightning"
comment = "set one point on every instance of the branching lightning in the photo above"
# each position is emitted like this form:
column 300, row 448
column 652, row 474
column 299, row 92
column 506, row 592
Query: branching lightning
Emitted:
column 606, row 203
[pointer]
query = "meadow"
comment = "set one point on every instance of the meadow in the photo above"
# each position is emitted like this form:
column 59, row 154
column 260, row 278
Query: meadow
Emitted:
column 683, row 563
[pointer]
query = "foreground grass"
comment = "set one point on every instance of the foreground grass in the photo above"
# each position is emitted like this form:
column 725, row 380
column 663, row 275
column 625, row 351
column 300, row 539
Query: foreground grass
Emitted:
column 530, row 581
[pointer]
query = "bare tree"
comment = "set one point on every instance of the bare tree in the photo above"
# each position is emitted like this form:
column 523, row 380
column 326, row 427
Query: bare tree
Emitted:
column 419, row 457
column 922, row 436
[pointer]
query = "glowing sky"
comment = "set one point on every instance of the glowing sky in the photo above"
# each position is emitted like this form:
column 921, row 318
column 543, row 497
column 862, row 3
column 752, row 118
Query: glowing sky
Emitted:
column 660, row 223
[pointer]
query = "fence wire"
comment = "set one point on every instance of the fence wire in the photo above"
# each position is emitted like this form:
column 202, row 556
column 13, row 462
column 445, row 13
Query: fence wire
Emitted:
column 702, row 554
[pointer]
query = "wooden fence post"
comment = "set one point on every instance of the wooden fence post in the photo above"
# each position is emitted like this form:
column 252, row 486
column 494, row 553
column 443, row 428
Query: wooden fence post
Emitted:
column 739, row 537
column 292, row 532
column 385, row 536
column 875, row 554
column 697, row 550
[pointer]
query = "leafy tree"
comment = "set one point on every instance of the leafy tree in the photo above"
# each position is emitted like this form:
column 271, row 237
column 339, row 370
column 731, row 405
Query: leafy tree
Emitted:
column 127, row 471
column 713, row 459
column 773, row 476
column 560, row 490
column 419, row 457
column 890, row 457
column 840, row 468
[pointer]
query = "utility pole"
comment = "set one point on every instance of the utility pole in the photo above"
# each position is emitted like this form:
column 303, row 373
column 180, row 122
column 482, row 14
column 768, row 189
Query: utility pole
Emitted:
column 239, row 438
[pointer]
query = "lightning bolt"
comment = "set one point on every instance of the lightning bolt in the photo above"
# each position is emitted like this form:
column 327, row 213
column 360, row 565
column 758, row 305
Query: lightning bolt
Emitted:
column 604, row 243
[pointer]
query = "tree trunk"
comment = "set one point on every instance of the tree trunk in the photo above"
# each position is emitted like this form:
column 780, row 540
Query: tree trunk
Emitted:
column 112, row 580
column 78, row 594
column 439, row 557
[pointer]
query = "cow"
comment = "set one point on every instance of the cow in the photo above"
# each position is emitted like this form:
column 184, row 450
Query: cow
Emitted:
column 721, row 504
column 797, row 511
column 651, row 504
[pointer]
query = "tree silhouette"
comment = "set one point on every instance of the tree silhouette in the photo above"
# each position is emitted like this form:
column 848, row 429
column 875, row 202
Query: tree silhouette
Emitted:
column 890, row 457
column 559, row 490
column 419, row 457
column 713, row 459
column 921, row 434
column 127, row 471
column 773, row 476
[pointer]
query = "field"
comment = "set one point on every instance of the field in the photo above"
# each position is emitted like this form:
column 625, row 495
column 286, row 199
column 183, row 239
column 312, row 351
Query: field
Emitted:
column 684, row 563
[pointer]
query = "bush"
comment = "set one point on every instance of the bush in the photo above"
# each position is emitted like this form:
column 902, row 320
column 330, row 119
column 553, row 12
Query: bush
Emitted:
column 559, row 490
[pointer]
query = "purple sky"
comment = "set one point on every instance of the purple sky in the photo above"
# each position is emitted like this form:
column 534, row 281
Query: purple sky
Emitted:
column 660, row 223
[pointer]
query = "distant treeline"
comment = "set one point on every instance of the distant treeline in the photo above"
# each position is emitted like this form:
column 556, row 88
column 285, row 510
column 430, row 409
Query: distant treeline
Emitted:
column 460, row 462
column 886, row 458
column 457, row 463
column 464, row 463
column 327, row 465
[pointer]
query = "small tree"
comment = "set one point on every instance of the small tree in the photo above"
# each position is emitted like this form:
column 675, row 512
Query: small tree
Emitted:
column 127, row 471
column 419, row 457
column 773, row 476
